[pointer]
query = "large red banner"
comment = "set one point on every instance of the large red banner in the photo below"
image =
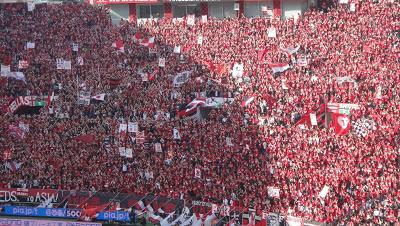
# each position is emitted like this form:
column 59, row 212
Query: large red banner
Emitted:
column 27, row 195
column 107, row 2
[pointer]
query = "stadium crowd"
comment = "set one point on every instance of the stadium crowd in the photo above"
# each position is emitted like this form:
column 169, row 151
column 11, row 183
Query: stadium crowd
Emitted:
column 239, row 150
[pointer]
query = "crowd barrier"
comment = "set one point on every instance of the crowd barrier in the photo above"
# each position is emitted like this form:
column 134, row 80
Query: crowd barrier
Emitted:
column 61, row 204
column 36, row 222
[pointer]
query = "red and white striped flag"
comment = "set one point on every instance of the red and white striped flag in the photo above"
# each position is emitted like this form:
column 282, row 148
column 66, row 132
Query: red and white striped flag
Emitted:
column 247, row 100
column 99, row 97
column 23, row 64
column 148, row 42
column 279, row 67
column 140, row 205
column 137, row 37
column 119, row 44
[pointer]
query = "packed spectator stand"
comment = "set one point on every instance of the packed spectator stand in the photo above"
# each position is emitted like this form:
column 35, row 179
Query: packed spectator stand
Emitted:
column 113, row 117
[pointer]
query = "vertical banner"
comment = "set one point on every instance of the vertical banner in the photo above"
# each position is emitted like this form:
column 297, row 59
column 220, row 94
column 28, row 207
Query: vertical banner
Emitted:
column 313, row 119
column 161, row 62
column 60, row 63
column 204, row 19
column 31, row 6
column 190, row 20
column 352, row 7
column 75, row 47
column 177, row 49
column 271, row 32
column 200, row 40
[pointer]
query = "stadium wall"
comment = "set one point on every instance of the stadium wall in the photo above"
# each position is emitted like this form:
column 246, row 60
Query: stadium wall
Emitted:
column 134, row 10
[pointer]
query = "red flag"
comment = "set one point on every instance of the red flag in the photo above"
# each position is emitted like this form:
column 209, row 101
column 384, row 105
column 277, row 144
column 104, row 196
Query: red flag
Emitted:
column 86, row 138
column 220, row 69
column 261, row 53
column 137, row 37
column 89, row 213
column 210, row 65
column 341, row 123
column 7, row 154
column 270, row 100
column 119, row 45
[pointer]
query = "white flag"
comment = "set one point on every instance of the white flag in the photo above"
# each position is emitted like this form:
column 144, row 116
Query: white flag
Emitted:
column 271, row 32
column 189, row 221
column 79, row 61
column 166, row 221
column 16, row 75
column 30, row 45
column 133, row 127
column 145, row 77
column 75, row 47
column 5, row 69
column 161, row 62
column 158, row 147
column 177, row 49
column 60, row 63
column 190, row 20
column 273, row 192
column 284, row 85
column 200, row 40
column 197, row 173
column 182, row 217
column 237, row 70
column 31, row 6
column 378, row 94
column 121, row 151
column 204, row 19
column 122, row 127
column 324, row 191
column 181, row 78
column 229, row 141
column 313, row 119
column 128, row 153
column 352, row 7
column 67, row 64
column 177, row 136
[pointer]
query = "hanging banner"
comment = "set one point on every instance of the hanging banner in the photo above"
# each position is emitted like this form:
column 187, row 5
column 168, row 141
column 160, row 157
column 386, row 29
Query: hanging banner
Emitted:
column 31, row 222
column 106, row 2
column 42, row 212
